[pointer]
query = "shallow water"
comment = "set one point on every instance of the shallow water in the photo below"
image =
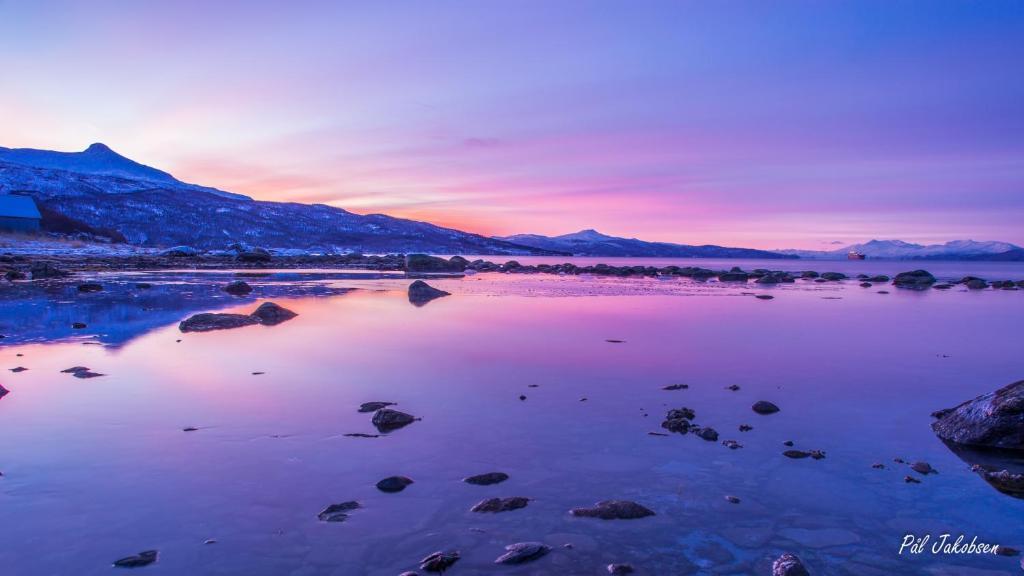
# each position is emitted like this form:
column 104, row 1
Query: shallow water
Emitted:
column 99, row 469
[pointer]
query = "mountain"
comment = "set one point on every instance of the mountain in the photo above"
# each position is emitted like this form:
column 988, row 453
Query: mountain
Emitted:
column 102, row 190
column 900, row 250
column 593, row 243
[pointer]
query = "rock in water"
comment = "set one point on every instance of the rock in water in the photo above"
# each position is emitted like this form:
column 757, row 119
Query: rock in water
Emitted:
column 994, row 420
column 420, row 293
column 619, row 569
column 923, row 468
column 180, row 252
column 486, row 479
column 387, row 419
column 426, row 263
column 1005, row 481
column 522, row 552
column 915, row 280
column 374, row 406
column 337, row 512
column 500, row 504
column 393, row 484
column 439, row 561
column 209, row 321
column 238, row 288
column 613, row 510
column 90, row 287
column 4, row 391
column 44, row 270
column 271, row 314
column 141, row 559
column 789, row 565
column 764, row 407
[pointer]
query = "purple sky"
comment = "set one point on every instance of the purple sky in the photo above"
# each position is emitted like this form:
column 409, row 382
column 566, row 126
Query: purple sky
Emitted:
column 763, row 124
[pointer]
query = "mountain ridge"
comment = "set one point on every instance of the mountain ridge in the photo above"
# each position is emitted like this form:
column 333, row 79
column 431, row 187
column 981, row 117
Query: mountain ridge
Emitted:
column 902, row 250
column 590, row 242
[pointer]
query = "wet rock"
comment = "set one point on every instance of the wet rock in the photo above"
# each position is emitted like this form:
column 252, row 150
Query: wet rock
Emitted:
column 374, row 406
column 180, row 252
column 787, row 443
column 253, row 254
column 270, row 314
column 143, row 285
column 789, row 565
column 4, row 391
column 732, row 444
column 387, row 419
column 976, row 284
column 675, row 387
column 734, row 276
column 809, row 274
column 486, row 479
column 189, row 429
column 421, row 293
column 733, row 387
column 708, row 433
column 732, row 499
column 521, row 552
column 764, row 297
column 1005, row 481
column 439, row 561
column 361, row 435
column 878, row 466
column 775, row 278
column 613, row 510
column 209, row 321
column 923, row 468
column 911, row 480
column 144, row 558
column 942, row 286
column 796, row 454
column 238, row 288
column 865, row 285
column 619, row 569
column 678, row 420
column 426, row 263
column 13, row 275
column 746, row 428
column 500, row 504
column 45, row 270
column 764, row 407
column 90, row 287
column 337, row 512
column 833, row 276
column 879, row 279
column 393, row 484
column 19, row 369
column 78, row 325
column 914, row 280
column 993, row 420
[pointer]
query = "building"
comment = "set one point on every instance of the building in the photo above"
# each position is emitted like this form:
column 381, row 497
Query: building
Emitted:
column 18, row 214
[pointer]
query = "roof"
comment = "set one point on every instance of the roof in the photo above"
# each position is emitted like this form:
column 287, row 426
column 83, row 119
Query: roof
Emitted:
column 12, row 206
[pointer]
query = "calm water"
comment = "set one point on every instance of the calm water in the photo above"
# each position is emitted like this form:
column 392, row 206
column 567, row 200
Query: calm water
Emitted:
column 99, row 469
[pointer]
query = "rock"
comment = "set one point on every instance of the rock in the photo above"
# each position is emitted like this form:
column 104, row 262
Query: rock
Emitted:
column 733, row 277
column 878, row 466
column 732, row 499
column 44, row 270
column 708, row 433
column 993, row 420
column 678, row 420
column 1007, row 551
column 420, row 293
column 4, row 391
column 976, row 284
column 393, row 484
column 809, row 274
column 1005, row 481
column 209, row 321
column 13, row 275
column 486, row 479
column 880, row 279
column 914, row 280
column 253, row 254
column 500, row 504
column 387, row 419
column 141, row 559
column 374, row 406
column 78, row 325
column 833, row 276
column 180, row 252
column 732, row 444
column 675, row 387
column 270, row 314
column 19, row 369
column 911, row 480
column 458, row 262
column 923, row 468
column 764, row 297
column 90, row 287
column 522, row 552
column 789, row 565
column 865, row 285
column 82, row 372
column 746, row 428
column 796, row 454
column 143, row 285
column 619, row 569
column 764, row 407
column 426, row 263
column 189, row 429
column 337, row 512
column 439, row 561
column 361, row 435
column 733, row 387
column 238, row 288
column 613, row 510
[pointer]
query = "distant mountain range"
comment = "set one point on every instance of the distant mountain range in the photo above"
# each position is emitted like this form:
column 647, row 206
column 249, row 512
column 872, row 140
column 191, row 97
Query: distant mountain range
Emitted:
column 900, row 250
column 102, row 190
column 593, row 243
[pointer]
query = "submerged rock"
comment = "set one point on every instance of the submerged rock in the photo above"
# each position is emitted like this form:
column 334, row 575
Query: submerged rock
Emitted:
column 144, row 558
column 81, row 372
column 238, row 288
column 501, row 504
column 993, row 420
column 789, row 565
column 613, row 510
column 387, row 419
column 833, row 276
column 675, row 387
column 915, row 280
column 522, row 552
column 923, row 468
column 338, row 512
column 374, row 406
column 420, row 293
column 486, row 479
column 393, row 484
column 271, row 314
column 440, row 561
column 619, row 569
column 209, row 321
column 764, row 407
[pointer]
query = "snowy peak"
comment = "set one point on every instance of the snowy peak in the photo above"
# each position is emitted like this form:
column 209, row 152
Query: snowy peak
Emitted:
column 588, row 235
column 97, row 159
column 899, row 249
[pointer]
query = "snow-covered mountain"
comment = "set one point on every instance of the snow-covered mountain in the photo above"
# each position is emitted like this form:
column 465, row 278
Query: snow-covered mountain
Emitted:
column 106, row 191
column 900, row 250
column 593, row 243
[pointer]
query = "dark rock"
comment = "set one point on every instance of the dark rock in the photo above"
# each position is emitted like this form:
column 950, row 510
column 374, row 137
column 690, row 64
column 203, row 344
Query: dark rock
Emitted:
column 731, row 444
column 141, row 559
column 337, row 512
column 764, row 297
column 238, row 288
column 420, row 293
column 764, row 407
column 1005, row 481
column 746, row 428
column 923, row 468
column 914, row 280
column 78, row 325
column 911, row 480
column 619, row 569
column 878, row 466
column 387, row 419
column 708, row 433
column 733, row 387
column 393, row 484
column 1007, row 551
column 458, row 262
column 426, row 263
column 270, row 314
column 90, row 287
column 253, row 254
column 675, row 387
column 976, row 284
column 500, row 504
column 13, row 275
column 522, row 552
column 613, row 510
column 439, row 561
column 789, row 565
column 44, row 270
column 189, row 429
column 486, row 479
column 796, row 454
column 374, row 406
column 942, row 286
column 732, row 499
column 809, row 274
column 209, row 321
column 881, row 278
column 143, row 285
column 833, row 276
column 733, row 277
column 4, row 391
column 19, row 369
column 678, row 420
column 993, row 420
column 865, row 285
column 180, row 252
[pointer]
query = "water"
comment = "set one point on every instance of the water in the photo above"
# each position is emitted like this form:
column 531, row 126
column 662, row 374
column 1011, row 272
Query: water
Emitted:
column 99, row 469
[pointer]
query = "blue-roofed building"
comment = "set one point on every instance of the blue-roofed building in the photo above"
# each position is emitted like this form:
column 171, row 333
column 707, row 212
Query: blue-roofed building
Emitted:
column 18, row 214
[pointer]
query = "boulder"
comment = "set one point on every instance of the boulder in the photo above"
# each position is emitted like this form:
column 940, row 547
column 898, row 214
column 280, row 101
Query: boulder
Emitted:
column 976, row 284
column 271, row 314
column 393, row 484
column 238, row 288
column 522, row 552
column 440, row 561
column 387, row 419
column 789, row 565
column 209, row 321
column 914, row 280
column 180, row 252
column 486, row 479
column 90, row 287
column 420, row 293
column 458, row 262
column 374, row 406
column 833, row 276
column 1005, row 481
column 141, row 559
column 613, row 510
column 427, row 263
column 253, row 254
column 619, row 569
column 993, row 420
column 764, row 407
column 337, row 512
column 500, row 504
column 45, row 270
column 734, row 276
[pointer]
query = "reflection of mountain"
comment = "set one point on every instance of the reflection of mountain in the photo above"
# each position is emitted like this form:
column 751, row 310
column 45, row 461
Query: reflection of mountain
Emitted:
column 37, row 312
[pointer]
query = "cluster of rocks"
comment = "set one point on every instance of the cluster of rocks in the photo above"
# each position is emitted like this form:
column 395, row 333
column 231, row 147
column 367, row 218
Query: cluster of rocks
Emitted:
column 268, row 314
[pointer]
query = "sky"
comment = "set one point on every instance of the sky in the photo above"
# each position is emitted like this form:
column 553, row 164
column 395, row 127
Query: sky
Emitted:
column 760, row 124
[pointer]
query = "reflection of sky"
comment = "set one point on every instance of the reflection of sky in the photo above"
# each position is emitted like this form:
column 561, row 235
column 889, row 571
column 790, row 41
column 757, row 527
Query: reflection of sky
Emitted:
column 736, row 123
